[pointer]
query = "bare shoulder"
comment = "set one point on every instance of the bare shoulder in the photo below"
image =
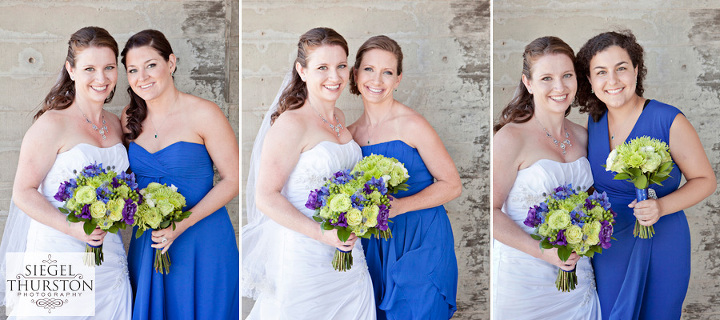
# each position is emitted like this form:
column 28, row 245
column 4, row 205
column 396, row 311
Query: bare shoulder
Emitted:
column 289, row 124
column 411, row 118
column 510, row 135
column 200, row 108
column 52, row 123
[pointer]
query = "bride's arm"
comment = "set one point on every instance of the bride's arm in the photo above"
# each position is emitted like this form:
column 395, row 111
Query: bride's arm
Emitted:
column 281, row 151
column 507, row 147
column 447, row 185
column 219, row 139
column 37, row 155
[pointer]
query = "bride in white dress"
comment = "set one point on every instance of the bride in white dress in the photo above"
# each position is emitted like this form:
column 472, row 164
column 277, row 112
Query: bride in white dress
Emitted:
column 72, row 131
column 535, row 149
column 286, row 256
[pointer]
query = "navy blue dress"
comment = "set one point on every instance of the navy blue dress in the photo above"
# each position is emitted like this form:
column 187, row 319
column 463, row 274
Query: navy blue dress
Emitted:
column 640, row 278
column 203, row 282
column 414, row 273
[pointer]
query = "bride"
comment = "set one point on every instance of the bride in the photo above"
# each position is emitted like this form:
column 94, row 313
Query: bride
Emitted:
column 287, row 258
column 535, row 150
column 71, row 131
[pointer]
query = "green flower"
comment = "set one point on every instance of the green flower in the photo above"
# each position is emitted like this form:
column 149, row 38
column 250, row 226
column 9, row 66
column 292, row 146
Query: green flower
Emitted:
column 123, row 191
column 115, row 207
column 354, row 217
column 592, row 240
column 340, row 202
column 558, row 219
column 72, row 205
column 153, row 186
column 105, row 223
column 371, row 213
column 544, row 230
column 325, row 212
column 635, row 160
column 573, row 234
column 153, row 217
column 98, row 209
column 85, row 195
column 165, row 207
column 652, row 163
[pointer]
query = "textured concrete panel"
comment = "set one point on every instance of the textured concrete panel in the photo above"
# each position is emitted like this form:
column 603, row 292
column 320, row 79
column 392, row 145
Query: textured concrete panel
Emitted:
column 681, row 41
column 446, row 78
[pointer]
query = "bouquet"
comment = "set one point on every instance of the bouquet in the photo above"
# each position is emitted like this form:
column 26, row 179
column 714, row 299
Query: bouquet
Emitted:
column 572, row 221
column 161, row 208
column 100, row 198
column 358, row 201
column 642, row 161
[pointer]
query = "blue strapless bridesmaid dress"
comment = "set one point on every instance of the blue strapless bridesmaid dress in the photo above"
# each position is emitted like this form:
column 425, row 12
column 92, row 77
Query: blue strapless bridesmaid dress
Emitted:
column 414, row 273
column 203, row 280
column 640, row 278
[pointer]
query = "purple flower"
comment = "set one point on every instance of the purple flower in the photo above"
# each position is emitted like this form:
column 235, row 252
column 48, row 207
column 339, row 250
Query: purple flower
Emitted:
column 341, row 221
column 93, row 170
column 563, row 192
column 588, row 204
column 103, row 193
column 115, row 183
column 577, row 216
column 342, row 177
column 357, row 201
column 560, row 240
column 382, row 218
column 606, row 232
column 129, row 179
column 532, row 220
column 313, row 203
column 85, row 214
column 128, row 212
column 379, row 185
column 601, row 199
column 64, row 192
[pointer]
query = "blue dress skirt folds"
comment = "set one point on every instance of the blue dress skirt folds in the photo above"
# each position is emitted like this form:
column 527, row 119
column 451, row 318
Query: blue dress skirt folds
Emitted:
column 414, row 273
column 640, row 278
column 203, row 279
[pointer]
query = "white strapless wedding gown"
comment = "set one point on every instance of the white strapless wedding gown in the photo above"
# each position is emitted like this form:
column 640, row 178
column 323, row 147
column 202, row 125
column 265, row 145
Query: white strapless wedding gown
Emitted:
column 524, row 286
column 303, row 283
column 113, row 294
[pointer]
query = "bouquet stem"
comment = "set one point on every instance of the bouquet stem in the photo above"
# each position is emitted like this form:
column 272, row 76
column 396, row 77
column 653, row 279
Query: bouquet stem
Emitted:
column 642, row 231
column 342, row 260
column 162, row 261
column 566, row 280
column 96, row 258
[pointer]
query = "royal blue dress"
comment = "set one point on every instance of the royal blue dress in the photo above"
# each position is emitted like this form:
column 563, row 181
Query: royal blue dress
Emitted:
column 203, row 280
column 414, row 273
column 640, row 278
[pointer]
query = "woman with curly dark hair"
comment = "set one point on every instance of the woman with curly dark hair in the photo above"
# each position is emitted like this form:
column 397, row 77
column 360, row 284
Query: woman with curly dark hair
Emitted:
column 639, row 278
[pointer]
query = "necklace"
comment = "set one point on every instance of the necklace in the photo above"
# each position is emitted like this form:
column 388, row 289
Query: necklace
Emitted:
column 102, row 130
column 336, row 128
column 612, row 135
column 387, row 115
column 561, row 144
column 162, row 124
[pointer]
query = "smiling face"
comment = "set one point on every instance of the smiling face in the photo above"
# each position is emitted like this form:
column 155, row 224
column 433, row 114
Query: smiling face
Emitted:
column 553, row 83
column 613, row 77
column 95, row 73
column 148, row 73
column 377, row 76
column 326, row 73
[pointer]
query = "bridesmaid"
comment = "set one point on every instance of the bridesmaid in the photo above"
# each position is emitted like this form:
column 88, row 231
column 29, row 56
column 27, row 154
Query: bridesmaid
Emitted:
column 415, row 272
column 175, row 138
column 639, row 278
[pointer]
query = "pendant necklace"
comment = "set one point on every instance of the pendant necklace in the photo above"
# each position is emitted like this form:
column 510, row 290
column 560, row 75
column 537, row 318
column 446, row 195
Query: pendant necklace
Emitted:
column 561, row 144
column 102, row 130
column 612, row 135
column 162, row 124
column 336, row 128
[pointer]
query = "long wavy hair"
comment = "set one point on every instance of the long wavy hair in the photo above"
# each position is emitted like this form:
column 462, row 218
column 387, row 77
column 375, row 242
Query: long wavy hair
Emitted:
column 623, row 39
column 137, row 110
column 377, row 42
column 294, row 96
column 521, row 108
column 62, row 93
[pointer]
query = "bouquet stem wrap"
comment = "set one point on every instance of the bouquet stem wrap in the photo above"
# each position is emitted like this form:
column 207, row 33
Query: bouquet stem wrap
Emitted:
column 342, row 260
column 566, row 280
column 642, row 231
column 162, row 261
column 95, row 256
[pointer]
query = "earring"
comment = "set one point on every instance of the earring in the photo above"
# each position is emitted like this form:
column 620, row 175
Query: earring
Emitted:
column 592, row 91
column 530, row 91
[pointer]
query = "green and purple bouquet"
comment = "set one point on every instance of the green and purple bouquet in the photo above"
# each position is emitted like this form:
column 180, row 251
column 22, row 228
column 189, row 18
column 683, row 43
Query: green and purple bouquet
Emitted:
column 572, row 221
column 358, row 202
column 161, row 208
column 642, row 161
column 100, row 198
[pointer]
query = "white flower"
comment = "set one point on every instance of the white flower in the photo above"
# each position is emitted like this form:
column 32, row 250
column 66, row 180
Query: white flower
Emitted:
column 173, row 188
column 610, row 160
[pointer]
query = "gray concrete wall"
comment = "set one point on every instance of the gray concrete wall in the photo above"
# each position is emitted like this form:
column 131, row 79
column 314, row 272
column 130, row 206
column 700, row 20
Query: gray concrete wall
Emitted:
column 446, row 78
column 681, row 42
column 33, row 44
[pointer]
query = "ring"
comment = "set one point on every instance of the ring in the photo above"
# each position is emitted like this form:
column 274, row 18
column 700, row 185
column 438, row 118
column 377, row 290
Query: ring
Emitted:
column 163, row 240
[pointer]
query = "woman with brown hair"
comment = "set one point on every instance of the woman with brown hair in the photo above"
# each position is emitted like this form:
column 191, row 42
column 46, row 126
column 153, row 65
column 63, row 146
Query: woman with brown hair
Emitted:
column 302, row 141
column 535, row 150
column 175, row 138
column 415, row 272
column 640, row 278
column 70, row 132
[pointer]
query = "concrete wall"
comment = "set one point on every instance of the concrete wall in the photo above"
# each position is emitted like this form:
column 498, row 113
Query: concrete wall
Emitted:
column 681, row 42
column 33, row 45
column 446, row 68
